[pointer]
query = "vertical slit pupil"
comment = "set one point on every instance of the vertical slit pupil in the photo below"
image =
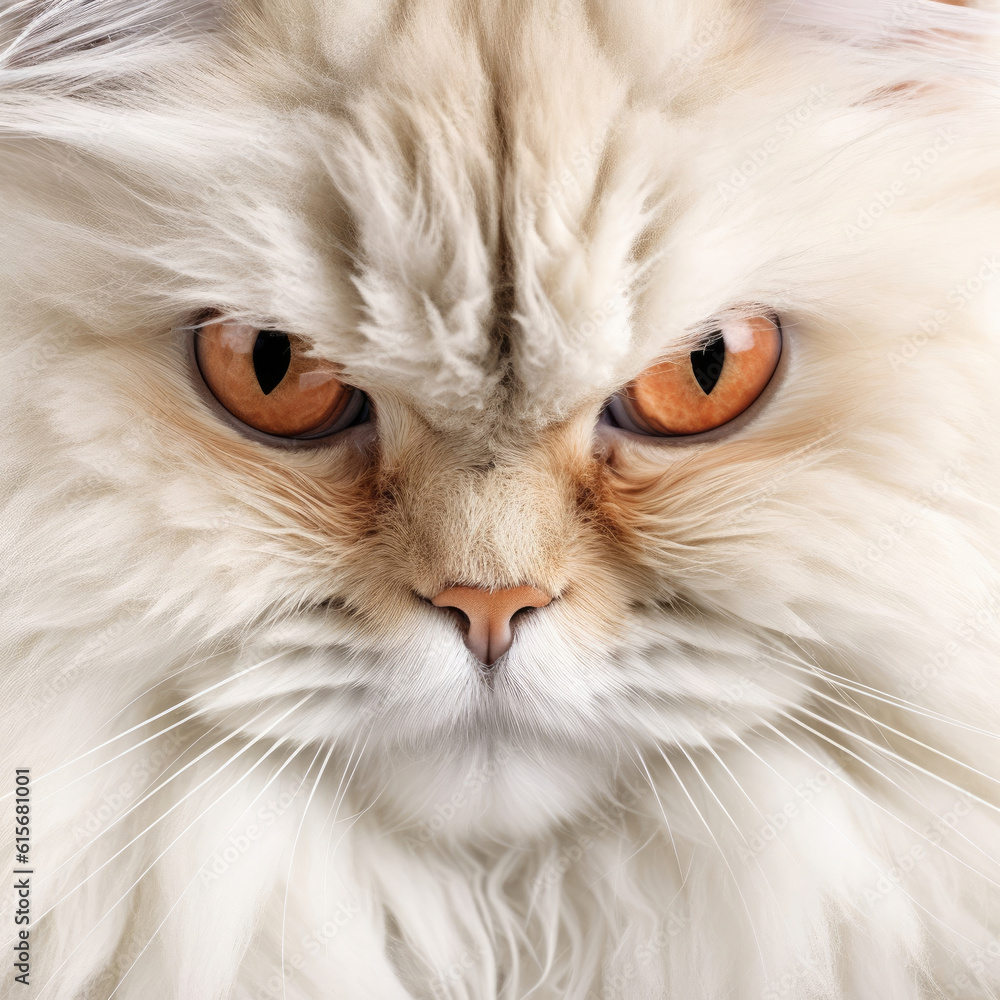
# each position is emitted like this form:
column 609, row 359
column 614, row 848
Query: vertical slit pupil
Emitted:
column 272, row 354
column 707, row 363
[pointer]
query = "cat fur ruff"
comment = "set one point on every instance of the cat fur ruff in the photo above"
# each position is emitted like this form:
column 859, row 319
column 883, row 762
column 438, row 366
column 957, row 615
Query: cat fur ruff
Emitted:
column 751, row 750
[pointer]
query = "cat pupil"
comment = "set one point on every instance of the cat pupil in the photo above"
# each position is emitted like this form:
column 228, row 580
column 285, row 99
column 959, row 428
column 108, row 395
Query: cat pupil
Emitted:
column 707, row 363
column 272, row 354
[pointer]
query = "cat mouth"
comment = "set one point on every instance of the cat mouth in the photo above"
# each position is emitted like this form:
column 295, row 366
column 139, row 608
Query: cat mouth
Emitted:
column 669, row 678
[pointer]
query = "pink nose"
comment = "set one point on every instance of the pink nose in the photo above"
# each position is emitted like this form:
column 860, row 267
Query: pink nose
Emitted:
column 489, row 613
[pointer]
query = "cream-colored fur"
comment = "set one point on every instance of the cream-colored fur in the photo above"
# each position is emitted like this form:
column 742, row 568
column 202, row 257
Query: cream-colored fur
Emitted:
column 750, row 751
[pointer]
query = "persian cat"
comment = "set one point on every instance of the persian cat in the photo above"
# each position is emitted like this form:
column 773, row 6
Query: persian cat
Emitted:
column 500, row 499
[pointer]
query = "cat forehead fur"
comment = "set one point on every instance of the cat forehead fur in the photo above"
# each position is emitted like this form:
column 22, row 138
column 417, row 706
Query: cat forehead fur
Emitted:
column 499, row 241
column 495, row 241
column 397, row 192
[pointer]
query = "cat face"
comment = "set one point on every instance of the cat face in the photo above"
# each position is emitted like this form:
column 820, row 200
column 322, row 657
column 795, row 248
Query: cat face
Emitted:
column 490, row 241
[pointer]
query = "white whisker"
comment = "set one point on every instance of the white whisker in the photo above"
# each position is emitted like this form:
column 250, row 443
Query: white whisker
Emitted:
column 867, row 691
column 171, row 675
column 159, row 715
column 295, row 842
column 153, row 791
column 198, row 871
column 128, row 892
column 55, row 793
column 722, row 854
column 892, row 754
column 906, row 736
column 181, row 801
column 858, row 791
column 663, row 812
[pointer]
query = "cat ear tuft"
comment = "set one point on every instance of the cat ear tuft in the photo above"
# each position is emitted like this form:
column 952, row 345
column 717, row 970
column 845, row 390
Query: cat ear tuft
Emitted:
column 63, row 35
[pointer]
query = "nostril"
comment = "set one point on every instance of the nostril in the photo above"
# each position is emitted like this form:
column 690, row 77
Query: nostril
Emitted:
column 461, row 618
column 517, row 619
column 522, row 613
column 457, row 615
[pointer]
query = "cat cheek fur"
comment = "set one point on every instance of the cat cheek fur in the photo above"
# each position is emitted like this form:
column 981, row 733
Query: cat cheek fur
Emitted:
column 749, row 748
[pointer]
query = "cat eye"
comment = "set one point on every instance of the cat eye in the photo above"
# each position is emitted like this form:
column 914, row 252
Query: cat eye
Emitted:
column 266, row 379
column 704, row 388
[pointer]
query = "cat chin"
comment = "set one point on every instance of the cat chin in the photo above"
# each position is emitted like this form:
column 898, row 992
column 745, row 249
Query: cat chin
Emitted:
column 450, row 785
column 502, row 797
column 479, row 781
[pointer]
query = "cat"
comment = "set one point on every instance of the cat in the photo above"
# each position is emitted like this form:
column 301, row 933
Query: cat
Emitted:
column 500, row 499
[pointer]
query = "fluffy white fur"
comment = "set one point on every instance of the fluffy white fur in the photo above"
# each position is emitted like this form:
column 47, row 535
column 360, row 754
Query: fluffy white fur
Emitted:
column 751, row 749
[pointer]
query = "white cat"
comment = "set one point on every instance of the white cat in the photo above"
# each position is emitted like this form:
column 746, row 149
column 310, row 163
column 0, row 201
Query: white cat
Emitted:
column 500, row 499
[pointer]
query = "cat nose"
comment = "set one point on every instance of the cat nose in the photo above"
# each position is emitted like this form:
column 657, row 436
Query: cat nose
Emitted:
column 489, row 613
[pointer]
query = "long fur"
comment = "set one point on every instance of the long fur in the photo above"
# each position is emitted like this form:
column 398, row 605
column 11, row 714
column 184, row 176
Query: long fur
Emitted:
column 750, row 751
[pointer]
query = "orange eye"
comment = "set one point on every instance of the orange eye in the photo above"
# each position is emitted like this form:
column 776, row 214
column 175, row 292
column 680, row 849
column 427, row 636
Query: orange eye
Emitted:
column 266, row 379
column 706, row 388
